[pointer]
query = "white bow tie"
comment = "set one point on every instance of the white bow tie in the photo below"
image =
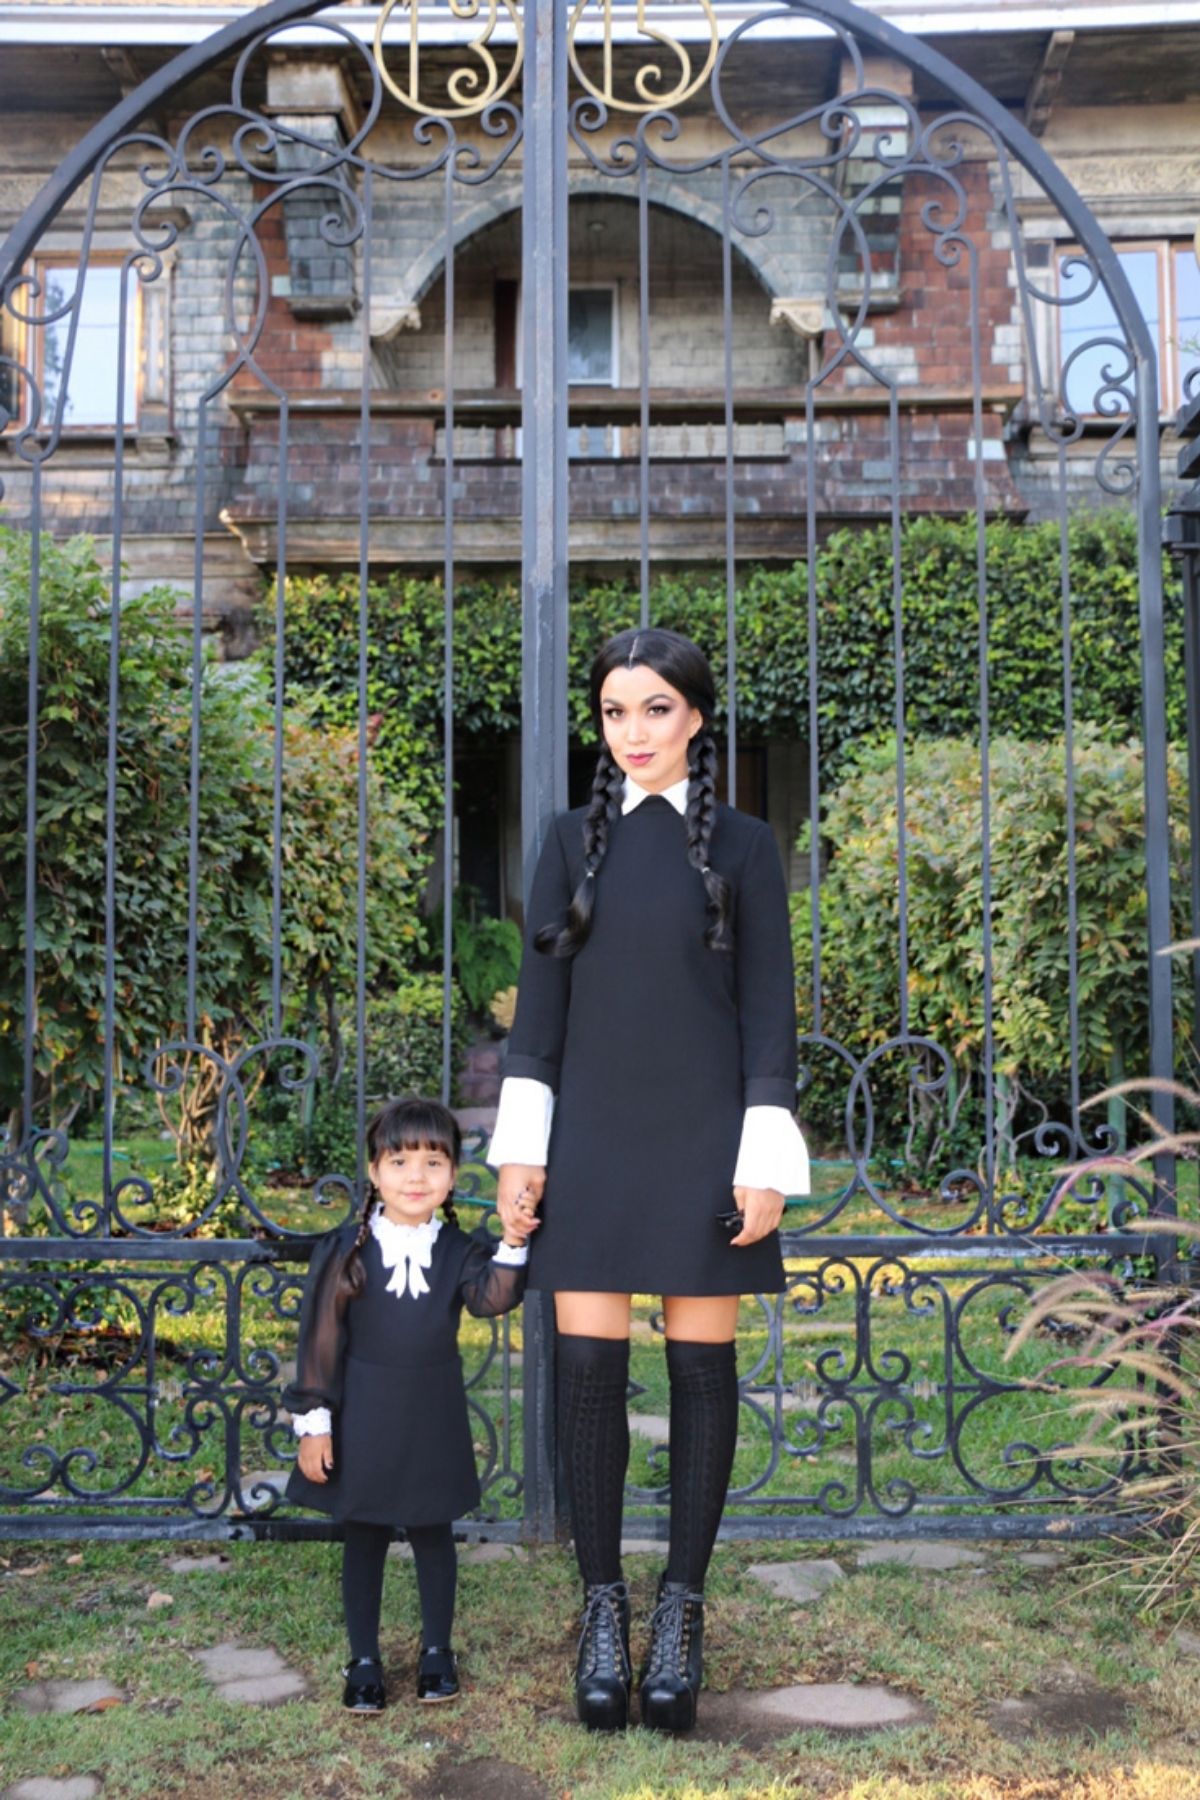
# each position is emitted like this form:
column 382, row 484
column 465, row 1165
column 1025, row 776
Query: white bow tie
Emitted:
column 407, row 1250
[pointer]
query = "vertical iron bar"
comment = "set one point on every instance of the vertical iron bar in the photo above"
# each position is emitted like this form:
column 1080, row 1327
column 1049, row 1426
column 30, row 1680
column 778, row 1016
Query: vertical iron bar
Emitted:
column 644, row 386
column 1064, row 561
column 730, row 564
column 814, row 716
column 544, row 619
column 985, row 747
column 194, row 770
column 114, row 705
column 277, row 773
column 31, row 776
column 1158, row 824
column 899, row 715
column 448, row 642
column 364, row 554
column 1191, row 658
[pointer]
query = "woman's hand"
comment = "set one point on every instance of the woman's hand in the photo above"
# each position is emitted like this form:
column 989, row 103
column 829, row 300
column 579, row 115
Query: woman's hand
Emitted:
column 315, row 1457
column 761, row 1210
column 519, row 1189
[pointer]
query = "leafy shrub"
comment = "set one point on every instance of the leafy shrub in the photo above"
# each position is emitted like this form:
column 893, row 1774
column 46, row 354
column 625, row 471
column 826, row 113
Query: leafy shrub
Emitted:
column 860, row 932
column 318, row 934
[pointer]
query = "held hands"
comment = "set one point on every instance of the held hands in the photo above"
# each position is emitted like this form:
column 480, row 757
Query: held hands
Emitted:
column 519, row 1188
column 761, row 1210
column 315, row 1456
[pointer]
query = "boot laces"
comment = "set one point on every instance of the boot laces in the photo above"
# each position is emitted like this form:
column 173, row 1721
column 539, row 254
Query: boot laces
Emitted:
column 601, row 1632
column 670, row 1634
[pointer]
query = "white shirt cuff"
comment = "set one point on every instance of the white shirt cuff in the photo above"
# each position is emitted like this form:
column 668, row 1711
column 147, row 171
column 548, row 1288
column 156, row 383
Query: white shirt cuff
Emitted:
column 772, row 1153
column 523, row 1121
column 316, row 1423
column 514, row 1255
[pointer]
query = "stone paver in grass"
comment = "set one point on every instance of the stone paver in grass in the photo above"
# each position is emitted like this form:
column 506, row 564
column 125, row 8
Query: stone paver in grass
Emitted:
column 197, row 1565
column 494, row 1553
column 1186, row 1642
column 251, row 1677
column 50, row 1787
column 637, row 1546
column 757, row 1718
column 1040, row 1559
column 1083, row 1711
column 800, row 1582
column 936, row 1554
column 68, row 1696
column 650, row 1425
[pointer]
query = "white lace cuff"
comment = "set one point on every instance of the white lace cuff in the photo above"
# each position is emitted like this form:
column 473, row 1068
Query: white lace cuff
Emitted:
column 523, row 1119
column 514, row 1255
column 772, row 1153
column 316, row 1423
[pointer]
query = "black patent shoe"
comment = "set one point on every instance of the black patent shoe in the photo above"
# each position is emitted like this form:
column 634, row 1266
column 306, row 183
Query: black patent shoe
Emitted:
column 670, row 1683
column 603, row 1672
column 364, row 1692
column 437, row 1676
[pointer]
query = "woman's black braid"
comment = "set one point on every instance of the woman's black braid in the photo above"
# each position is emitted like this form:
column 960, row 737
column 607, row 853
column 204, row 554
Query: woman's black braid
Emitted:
column 608, row 785
column 700, row 819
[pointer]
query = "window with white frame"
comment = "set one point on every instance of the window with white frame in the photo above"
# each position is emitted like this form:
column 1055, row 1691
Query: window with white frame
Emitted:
column 593, row 361
column 87, row 388
column 1165, row 279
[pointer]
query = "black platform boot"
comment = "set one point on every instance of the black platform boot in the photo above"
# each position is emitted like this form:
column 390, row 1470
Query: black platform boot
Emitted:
column 603, row 1672
column 670, row 1683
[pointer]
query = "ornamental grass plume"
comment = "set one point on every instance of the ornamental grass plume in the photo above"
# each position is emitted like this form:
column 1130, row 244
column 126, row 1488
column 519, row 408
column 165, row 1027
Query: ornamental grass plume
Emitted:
column 1137, row 1342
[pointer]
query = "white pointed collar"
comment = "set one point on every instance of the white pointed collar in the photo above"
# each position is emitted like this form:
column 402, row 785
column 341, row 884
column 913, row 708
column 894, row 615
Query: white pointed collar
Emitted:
column 634, row 795
column 407, row 1250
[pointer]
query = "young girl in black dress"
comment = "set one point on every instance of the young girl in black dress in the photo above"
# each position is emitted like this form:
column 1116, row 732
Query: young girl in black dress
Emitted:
column 378, row 1401
column 648, row 1109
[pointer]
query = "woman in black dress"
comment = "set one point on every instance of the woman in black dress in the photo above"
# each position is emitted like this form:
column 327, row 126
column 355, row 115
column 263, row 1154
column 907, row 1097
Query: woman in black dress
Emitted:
column 649, row 1089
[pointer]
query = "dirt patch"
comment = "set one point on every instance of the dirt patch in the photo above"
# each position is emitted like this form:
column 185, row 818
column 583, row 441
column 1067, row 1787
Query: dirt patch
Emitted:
column 1085, row 1711
column 487, row 1778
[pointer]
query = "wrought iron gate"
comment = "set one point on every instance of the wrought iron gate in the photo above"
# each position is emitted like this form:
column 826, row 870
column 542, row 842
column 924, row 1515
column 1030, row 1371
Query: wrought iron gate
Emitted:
column 271, row 250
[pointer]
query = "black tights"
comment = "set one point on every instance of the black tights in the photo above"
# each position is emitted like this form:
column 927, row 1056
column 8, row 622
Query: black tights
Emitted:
column 593, row 1434
column 363, row 1557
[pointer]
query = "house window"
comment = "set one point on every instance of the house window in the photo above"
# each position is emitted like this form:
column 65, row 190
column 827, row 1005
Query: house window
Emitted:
column 91, row 383
column 1166, row 283
column 592, row 361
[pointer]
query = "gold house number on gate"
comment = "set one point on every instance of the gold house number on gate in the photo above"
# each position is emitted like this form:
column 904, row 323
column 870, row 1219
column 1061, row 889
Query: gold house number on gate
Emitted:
column 469, row 89
column 649, row 82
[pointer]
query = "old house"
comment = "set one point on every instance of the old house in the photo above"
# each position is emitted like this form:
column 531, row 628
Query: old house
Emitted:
column 864, row 312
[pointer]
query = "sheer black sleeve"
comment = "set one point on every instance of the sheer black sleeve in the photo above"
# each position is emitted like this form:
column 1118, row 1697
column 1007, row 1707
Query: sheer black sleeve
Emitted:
column 321, row 1350
column 489, row 1288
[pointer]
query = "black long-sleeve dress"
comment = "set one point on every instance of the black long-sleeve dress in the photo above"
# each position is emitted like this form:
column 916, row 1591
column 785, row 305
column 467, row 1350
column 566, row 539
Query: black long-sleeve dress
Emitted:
column 654, row 1045
column 388, row 1368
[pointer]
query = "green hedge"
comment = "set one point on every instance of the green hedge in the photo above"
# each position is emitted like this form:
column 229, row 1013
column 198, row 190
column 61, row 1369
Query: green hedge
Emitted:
column 860, row 934
column 853, row 579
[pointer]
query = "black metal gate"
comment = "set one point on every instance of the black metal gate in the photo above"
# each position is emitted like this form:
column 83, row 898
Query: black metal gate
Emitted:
column 244, row 197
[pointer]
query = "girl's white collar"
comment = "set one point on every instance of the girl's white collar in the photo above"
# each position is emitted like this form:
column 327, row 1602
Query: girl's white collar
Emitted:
column 406, row 1250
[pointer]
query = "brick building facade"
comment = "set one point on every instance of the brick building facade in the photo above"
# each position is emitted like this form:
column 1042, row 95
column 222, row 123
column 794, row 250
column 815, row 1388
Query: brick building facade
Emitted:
column 938, row 401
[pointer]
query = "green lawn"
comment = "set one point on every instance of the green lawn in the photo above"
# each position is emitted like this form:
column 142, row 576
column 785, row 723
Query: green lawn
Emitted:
column 957, row 1643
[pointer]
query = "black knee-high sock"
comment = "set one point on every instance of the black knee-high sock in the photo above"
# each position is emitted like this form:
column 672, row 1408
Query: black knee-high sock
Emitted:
column 363, row 1556
column 593, row 1434
column 437, row 1581
column 704, row 1410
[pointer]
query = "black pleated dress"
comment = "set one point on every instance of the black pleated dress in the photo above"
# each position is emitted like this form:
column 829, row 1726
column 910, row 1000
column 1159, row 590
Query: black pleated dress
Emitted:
column 388, row 1368
column 655, row 1045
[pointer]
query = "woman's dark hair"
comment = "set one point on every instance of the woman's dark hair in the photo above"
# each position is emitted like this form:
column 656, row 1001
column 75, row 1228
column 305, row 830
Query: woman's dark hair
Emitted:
column 410, row 1124
column 684, row 667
